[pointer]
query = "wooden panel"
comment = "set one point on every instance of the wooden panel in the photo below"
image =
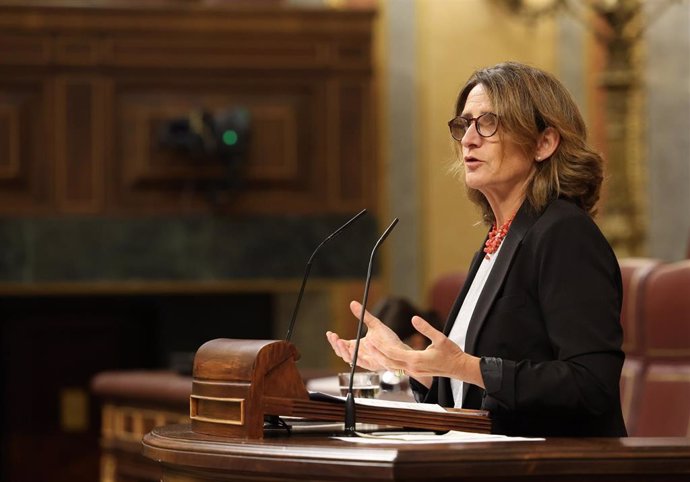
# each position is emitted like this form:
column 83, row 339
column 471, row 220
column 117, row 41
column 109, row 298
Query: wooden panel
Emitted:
column 120, row 71
column 357, row 162
column 230, row 51
column 142, row 115
column 79, row 145
column 24, row 49
column 77, row 50
column 282, row 163
column 24, row 146
column 9, row 142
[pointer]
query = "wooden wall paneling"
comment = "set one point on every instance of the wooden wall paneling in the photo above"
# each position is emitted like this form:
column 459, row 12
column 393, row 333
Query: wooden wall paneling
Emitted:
column 77, row 50
column 26, row 140
column 283, row 63
column 284, row 168
column 274, row 143
column 9, row 141
column 245, row 50
column 25, row 49
column 353, row 163
column 357, row 160
column 80, row 144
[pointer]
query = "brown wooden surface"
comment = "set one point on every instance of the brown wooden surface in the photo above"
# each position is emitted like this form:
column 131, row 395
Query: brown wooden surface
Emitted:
column 459, row 419
column 186, row 455
column 237, row 383
column 84, row 90
column 232, row 377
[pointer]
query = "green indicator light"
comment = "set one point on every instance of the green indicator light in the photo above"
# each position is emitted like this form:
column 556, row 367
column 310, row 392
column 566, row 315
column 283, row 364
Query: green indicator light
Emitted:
column 230, row 137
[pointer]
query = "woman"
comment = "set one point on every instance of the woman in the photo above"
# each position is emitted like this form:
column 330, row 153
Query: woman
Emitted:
column 534, row 336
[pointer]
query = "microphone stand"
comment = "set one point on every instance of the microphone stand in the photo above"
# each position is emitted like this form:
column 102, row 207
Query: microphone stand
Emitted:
column 308, row 269
column 274, row 421
column 350, row 412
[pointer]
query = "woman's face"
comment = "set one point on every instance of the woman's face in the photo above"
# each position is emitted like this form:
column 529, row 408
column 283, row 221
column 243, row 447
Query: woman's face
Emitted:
column 495, row 165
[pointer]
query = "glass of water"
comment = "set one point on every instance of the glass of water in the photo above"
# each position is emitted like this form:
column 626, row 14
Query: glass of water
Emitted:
column 364, row 385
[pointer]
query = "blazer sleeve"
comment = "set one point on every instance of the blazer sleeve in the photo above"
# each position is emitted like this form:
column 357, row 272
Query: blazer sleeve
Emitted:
column 578, row 291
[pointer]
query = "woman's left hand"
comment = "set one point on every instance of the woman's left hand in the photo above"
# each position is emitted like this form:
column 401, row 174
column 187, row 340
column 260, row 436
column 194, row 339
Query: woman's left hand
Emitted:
column 442, row 357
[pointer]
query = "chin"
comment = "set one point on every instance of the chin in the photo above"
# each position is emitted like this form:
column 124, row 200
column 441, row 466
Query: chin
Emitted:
column 472, row 182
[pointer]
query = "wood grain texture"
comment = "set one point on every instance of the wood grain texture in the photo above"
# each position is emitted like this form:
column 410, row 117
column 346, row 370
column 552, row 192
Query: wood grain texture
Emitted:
column 318, row 457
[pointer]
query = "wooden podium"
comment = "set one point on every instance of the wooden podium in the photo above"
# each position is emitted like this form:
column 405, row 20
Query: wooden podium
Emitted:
column 186, row 456
column 238, row 383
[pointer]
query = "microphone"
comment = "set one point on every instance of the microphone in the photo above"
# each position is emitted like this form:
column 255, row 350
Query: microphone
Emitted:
column 308, row 268
column 350, row 413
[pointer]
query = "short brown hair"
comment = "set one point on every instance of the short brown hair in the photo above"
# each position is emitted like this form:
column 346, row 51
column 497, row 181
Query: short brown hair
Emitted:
column 528, row 100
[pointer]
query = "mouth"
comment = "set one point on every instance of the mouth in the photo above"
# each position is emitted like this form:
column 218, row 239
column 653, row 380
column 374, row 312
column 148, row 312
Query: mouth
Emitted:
column 471, row 161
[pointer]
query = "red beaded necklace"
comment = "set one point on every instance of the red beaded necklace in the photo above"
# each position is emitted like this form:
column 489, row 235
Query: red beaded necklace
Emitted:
column 496, row 236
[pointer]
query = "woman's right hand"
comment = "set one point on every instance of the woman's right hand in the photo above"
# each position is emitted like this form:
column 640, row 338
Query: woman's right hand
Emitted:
column 378, row 334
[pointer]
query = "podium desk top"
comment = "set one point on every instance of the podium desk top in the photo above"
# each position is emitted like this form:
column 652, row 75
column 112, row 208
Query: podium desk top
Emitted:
column 314, row 457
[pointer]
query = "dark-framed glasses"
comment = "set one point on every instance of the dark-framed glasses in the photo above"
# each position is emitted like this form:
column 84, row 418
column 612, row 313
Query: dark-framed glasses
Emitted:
column 486, row 125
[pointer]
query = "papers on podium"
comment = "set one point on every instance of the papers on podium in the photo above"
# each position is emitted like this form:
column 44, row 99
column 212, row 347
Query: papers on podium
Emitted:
column 454, row 436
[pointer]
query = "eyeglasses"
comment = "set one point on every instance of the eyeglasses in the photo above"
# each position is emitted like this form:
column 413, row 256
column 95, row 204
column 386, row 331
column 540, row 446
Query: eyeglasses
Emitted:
column 486, row 125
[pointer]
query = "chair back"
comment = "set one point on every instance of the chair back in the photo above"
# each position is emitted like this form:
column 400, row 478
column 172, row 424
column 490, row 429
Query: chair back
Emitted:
column 634, row 272
column 444, row 291
column 666, row 312
column 664, row 402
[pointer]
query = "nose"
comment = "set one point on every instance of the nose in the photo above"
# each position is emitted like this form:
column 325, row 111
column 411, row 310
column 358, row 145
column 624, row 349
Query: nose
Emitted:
column 471, row 137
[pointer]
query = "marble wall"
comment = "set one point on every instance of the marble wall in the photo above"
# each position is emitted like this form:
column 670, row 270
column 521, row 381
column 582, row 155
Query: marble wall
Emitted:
column 192, row 249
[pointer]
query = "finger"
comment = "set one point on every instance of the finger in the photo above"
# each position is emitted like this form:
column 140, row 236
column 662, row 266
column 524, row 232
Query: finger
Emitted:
column 332, row 338
column 345, row 350
column 369, row 319
column 425, row 328
column 335, row 340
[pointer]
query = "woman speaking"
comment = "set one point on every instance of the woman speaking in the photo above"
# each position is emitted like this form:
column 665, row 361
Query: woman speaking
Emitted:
column 534, row 336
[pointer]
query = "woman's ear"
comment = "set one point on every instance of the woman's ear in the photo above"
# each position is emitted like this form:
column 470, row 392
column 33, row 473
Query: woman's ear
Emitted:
column 547, row 144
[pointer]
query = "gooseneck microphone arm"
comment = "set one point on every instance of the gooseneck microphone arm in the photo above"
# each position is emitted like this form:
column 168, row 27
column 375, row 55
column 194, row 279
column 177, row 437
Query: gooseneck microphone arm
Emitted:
column 350, row 413
column 308, row 269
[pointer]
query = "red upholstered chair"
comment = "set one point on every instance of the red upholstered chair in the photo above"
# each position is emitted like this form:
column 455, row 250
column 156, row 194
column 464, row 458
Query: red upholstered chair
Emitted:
column 634, row 272
column 664, row 401
column 444, row 291
column 631, row 379
column 666, row 312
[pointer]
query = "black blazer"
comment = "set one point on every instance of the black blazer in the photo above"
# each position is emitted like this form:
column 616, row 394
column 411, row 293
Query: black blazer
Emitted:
column 550, row 310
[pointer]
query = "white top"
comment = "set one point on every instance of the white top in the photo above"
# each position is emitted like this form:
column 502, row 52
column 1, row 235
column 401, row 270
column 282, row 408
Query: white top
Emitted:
column 458, row 332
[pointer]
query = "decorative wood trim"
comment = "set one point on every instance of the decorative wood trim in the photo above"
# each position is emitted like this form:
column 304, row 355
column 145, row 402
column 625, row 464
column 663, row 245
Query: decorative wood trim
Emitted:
column 26, row 167
column 120, row 17
column 79, row 149
column 24, row 48
column 232, row 406
column 129, row 423
column 9, row 159
column 77, row 50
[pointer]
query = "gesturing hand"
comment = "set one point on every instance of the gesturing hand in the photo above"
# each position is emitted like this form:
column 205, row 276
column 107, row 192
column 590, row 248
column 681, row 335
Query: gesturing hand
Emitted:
column 378, row 334
column 381, row 349
column 443, row 357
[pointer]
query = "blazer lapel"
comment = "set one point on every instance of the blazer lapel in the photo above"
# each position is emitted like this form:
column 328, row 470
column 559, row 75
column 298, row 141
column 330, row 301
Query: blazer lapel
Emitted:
column 524, row 219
